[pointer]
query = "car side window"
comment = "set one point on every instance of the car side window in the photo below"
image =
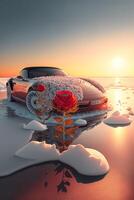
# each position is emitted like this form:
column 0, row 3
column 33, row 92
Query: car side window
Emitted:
column 23, row 73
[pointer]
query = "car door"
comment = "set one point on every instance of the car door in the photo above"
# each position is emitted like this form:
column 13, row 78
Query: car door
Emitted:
column 20, row 87
column 23, row 89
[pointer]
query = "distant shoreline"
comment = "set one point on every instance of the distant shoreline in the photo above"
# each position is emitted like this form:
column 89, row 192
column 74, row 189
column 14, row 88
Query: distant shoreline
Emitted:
column 86, row 77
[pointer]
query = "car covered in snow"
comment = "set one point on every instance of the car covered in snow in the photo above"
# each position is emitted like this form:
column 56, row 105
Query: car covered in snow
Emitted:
column 31, row 80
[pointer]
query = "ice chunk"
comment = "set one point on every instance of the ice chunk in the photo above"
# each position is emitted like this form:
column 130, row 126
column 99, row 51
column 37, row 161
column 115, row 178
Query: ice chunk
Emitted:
column 116, row 119
column 86, row 161
column 38, row 151
column 35, row 125
column 80, row 122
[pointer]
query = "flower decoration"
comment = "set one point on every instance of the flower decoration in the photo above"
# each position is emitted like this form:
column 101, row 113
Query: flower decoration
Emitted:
column 65, row 101
column 60, row 94
column 54, row 83
column 41, row 88
column 49, row 91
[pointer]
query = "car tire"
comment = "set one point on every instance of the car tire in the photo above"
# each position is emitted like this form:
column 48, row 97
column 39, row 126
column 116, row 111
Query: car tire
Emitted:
column 9, row 93
column 31, row 102
column 31, row 98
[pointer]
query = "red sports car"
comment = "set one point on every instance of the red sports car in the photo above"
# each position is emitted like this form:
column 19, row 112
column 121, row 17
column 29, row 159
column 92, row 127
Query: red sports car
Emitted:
column 24, row 88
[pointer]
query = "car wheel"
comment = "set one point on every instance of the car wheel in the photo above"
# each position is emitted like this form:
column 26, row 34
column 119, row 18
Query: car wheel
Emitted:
column 36, row 108
column 31, row 102
column 9, row 93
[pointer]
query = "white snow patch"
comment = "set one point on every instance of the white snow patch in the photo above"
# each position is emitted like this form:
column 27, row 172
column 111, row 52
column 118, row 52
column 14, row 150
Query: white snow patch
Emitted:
column 35, row 125
column 117, row 119
column 39, row 151
column 20, row 110
column 84, row 160
column 80, row 122
column 21, row 154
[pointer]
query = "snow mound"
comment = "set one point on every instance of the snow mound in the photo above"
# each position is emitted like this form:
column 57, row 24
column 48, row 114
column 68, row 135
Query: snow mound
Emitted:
column 35, row 125
column 116, row 119
column 86, row 161
column 20, row 110
column 39, row 151
column 80, row 122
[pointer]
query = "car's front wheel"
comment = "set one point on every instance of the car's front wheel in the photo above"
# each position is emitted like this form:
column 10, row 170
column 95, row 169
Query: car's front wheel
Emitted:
column 9, row 93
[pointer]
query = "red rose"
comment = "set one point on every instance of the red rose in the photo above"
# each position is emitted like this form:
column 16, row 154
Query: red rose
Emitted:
column 41, row 88
column 65, row 101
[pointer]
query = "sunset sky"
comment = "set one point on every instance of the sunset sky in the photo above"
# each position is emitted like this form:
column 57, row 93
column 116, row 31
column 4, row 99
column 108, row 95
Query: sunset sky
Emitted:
column 84, row 37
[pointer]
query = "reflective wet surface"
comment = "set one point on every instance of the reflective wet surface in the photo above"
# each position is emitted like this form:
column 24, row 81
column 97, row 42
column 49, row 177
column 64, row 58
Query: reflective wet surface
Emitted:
column 55, row 181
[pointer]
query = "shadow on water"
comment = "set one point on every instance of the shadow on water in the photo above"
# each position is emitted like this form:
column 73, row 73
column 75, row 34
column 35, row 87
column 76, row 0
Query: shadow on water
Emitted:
column 67, row 173
column 37, row 182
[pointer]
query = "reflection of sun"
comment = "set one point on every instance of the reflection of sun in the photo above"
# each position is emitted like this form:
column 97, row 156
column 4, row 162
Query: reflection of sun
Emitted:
column 118, row 63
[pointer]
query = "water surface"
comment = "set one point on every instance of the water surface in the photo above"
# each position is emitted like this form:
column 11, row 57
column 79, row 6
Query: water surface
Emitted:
column 117, row 144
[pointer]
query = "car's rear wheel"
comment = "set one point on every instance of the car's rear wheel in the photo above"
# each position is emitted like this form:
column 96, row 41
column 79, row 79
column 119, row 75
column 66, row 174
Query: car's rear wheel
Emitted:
column 31, row 102
column 9, row 93
column 35, row 107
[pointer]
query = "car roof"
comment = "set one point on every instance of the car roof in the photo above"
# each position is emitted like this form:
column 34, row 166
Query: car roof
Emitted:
column 48, row 67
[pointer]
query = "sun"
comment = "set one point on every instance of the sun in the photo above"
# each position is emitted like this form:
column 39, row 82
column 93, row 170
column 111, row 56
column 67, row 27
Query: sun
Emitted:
column 118, row 63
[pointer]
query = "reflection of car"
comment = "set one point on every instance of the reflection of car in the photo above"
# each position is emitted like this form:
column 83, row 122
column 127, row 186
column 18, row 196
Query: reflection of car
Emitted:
column 19, row 88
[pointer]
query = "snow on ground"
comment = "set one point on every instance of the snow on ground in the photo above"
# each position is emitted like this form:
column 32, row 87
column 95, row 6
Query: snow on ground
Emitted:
column 35, row 125
column 22, row 111
column 19, row 109
column 118, row 120
column 86, row 161
column 14, row 140
column 12, row 137
column 80, row 122
column 39, row 151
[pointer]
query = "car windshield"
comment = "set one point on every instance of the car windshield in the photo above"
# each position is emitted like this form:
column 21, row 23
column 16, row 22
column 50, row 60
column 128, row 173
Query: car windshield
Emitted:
column 38, row 72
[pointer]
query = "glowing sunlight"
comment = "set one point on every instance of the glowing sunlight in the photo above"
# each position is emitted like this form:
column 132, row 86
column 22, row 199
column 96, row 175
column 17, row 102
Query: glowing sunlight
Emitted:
column 118, row 63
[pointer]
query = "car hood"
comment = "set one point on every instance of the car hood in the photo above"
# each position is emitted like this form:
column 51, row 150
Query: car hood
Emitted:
column 89, row 91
